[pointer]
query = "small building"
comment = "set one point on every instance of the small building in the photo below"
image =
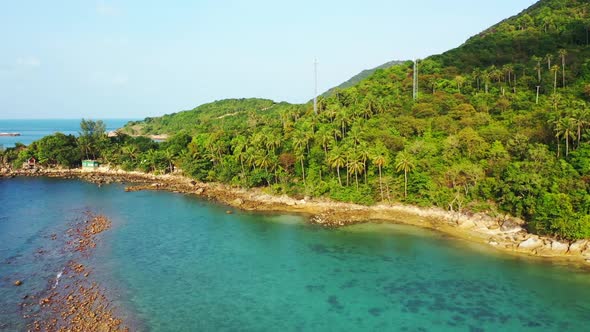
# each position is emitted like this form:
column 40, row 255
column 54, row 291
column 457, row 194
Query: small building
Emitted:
column 31, row 163
column 90, row 164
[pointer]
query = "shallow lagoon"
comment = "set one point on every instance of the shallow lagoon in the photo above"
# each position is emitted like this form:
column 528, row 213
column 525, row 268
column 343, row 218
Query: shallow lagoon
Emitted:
column 178, row 263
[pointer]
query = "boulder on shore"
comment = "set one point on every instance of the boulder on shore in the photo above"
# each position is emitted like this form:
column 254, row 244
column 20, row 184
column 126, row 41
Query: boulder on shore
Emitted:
column 532, row 242
column 510, row 226
column 578, row 247
column 559, row 247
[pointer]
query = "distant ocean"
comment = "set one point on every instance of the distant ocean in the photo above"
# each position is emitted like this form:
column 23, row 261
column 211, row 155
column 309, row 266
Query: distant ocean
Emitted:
column 34, row 129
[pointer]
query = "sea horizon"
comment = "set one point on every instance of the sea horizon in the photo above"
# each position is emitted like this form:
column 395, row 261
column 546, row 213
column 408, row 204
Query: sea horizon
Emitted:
column 31, row 130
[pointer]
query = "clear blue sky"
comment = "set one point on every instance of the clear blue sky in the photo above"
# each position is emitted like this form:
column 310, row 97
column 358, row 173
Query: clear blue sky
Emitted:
column 131, row 59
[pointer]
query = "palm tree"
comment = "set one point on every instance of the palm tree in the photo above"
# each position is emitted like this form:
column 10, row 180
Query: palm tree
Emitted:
column 582, row 118
column 380, row 160
column 509, row 69
column 272, row 140
column 300, row 156
column 299, row 140
column 562, row 54
column 324, row 137
column 365, row 154
column 477, row 75
column 460, row 80
column 567, row 128
column 170, row 157
column 557, row 130
column 131, row 151
column 239, row 147
column 264, row 159
column 344, row 119
column 250, row 158
column 549, row 57
column 355, row 134
column 356, row 166
column 486, row 79
column 404, row 162
column 335, row 131
column 337, row 160
column 537, row 61
column 555, row 70
column 495, row 74
column 152, row 159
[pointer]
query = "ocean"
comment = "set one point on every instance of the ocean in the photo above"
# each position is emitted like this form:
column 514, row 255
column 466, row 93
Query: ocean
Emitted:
column 176, row 262
column 32, row 130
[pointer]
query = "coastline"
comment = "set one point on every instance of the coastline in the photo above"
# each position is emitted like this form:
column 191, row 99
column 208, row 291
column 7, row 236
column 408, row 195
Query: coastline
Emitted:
column 503, row 233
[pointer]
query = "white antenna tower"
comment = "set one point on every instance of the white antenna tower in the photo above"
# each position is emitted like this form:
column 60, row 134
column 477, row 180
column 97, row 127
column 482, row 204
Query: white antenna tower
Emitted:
column 315, row 93
column 415, row 83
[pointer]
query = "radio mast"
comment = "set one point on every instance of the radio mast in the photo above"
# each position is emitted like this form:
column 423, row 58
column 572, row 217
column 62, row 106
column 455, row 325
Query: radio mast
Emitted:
column 415, row 82
column 315, row 92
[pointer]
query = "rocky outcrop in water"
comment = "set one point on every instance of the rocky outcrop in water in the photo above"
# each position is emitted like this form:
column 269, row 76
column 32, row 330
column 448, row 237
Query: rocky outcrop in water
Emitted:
column 75, row 302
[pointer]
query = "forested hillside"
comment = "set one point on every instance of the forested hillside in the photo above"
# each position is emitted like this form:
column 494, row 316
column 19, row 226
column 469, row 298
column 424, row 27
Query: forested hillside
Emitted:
column 360, row 76
column 500, row 125
column 228, row 114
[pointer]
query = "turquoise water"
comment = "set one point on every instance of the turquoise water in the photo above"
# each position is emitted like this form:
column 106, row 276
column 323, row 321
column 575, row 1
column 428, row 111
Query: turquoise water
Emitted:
column 32, row 130
column 178, row 263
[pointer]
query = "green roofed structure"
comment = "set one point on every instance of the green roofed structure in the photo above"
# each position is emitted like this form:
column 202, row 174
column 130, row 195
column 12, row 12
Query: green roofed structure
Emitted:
column 90, row 164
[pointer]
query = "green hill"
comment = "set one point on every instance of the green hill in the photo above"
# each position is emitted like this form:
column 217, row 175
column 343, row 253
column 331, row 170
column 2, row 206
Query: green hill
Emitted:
column 501, row 125
column 228, row 114
column 360, row 76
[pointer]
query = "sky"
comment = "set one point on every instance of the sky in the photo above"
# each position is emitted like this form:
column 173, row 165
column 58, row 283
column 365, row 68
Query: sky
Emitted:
column 133, row 59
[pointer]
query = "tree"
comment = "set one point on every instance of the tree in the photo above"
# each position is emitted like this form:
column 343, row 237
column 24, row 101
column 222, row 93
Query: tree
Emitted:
column 337, row 160
column 567, row 128
column 555, row 70
column 240, row 146
column 537, row 61
column 509, row 69
column 58, row 149
column 549, row 57
column 380, row 159
column 404, row 162
column 459, row 80
column 131, row 151
column 91, row 135
column 170, row 157
column 324, row 137
column 562, row 54
column 582, row 119
column 356, row 167
column 300, row 156
column 486, row 79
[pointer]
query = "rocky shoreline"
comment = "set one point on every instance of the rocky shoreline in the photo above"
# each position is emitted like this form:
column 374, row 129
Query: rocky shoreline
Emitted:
column 503, row 233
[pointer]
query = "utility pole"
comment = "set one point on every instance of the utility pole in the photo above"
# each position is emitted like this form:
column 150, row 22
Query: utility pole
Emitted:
column 415, row 81
column 315, row 93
